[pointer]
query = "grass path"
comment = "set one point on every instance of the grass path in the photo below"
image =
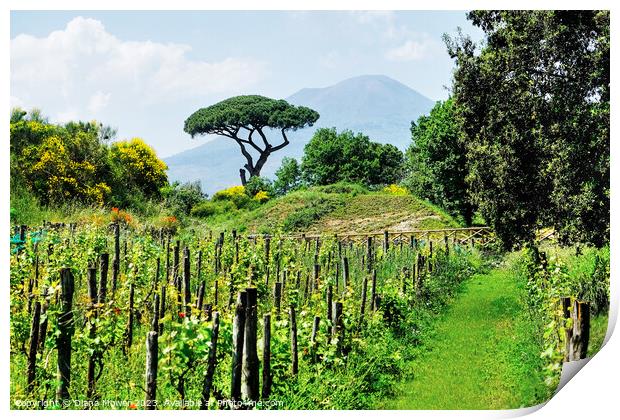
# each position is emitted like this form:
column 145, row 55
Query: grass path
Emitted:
column 482, row 355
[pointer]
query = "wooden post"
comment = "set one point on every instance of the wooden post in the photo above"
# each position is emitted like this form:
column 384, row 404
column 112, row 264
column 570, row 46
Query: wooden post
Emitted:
column 266, row 390
column 267, row 250
column 201, row 295
column 92, row 333
column 211, row 363
column 199, row 266
column 345, row 273
column 373, row 291
column 313, row 342
column 249, row 384
column 129, row 341
column 116, row 262
column 369, row 253
column 317, row 269
column 33, row 346
column 43, row 325
column 186, row 282
column 445, row 240
column 581, row 330
column 168, row 258
column 277, row 295
column 151, row 370
column 386, row 241
column 103, row 278
column 238, row 338
column 338, row 328
column 363, row 303
column 329, row 298
column 66, row 328
column 162, row 309
column 294, row 355
column 175, row 263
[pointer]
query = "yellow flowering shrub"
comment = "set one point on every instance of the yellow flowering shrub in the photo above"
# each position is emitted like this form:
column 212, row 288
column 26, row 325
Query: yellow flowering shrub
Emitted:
column 261, row 196
column 236, row 195
column 395, row 190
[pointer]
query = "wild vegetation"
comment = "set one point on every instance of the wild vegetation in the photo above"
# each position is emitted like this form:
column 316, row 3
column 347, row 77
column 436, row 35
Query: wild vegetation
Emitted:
column 259, row 293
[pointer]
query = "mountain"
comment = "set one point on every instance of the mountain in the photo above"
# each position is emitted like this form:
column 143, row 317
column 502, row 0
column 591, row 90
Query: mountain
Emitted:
column 378, row 106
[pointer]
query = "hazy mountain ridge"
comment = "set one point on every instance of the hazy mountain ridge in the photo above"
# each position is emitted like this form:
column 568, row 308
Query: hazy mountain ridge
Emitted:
column 377, row 106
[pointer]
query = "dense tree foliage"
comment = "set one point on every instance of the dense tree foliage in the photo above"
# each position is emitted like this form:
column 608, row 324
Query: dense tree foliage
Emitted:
column 288, row 176
column 534, row 101
column 72, row 162
column 436, row 161
column 243, row 118
column 181, row 198
column 332, row 157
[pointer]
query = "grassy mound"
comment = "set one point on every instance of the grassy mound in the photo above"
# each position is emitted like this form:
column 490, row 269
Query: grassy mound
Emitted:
column 336, row 209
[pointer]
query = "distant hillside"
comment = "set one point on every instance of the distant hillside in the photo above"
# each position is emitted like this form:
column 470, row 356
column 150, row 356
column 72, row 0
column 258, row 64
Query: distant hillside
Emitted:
column 336, row 209
column 377, row 106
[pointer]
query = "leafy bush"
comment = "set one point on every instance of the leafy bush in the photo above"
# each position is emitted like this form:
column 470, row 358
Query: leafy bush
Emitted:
column 181, row 198
column 343, row 188
column 212, row 208
column 288, row 176
column 236, row 195
column 257, row 184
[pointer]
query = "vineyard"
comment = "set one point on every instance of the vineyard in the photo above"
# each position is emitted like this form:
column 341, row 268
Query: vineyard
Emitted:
column 153, row 319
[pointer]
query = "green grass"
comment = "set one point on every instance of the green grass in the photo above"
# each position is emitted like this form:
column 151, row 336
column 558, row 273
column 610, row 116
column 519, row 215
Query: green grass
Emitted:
column 333, row 210
column 482, row 355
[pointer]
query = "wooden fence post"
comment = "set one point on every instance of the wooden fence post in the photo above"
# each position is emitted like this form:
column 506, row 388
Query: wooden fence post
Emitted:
column 238, row 338
column 151, row 370
column 277, row 295
column 338, row 325
column 186, row 282
column 317, row 270
column 313, row 342
column 345, row 273
column 103, row 278
column 116, row 262
column 92, row 333
column 294, row 355
column 66, row 328
column 581, row 330
column 208, row 381
column 162, row 309
column 329, row 299
column 33, row 346
column 266, row 390
column 129, row 341
column 373, row 291
column 363, row 303
column 386, row 241
column 249, row 384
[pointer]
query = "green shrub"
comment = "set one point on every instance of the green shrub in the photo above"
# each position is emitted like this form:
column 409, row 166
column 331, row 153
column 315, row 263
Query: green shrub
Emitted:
column 211, row 208
column 343, row 188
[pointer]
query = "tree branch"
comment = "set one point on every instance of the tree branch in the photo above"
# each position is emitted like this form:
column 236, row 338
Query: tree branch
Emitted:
column 280, row 146
column 267, row 145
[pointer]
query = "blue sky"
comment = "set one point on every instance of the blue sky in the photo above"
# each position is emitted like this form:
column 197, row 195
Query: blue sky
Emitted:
column 145, row 72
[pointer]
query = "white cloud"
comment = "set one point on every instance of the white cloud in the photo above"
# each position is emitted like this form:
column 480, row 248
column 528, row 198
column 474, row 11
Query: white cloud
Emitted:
column 98, row 101
column 411, row 50
column 85, row 67
column 372, row 16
